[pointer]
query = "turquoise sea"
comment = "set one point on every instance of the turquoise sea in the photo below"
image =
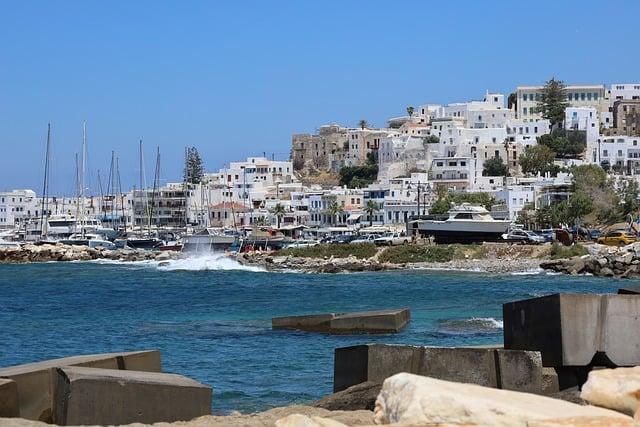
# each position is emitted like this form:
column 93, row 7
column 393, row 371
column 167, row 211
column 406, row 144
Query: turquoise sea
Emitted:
column 211, row 318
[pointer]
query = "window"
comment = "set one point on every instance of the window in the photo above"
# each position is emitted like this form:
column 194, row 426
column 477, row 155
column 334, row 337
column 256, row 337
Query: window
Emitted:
column 524, row 98
column 595, row 96
column 605, row 153
column 589, row 96
column 524, row 111
column 582, row 96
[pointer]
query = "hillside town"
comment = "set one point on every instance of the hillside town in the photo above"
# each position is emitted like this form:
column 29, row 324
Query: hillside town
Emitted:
column 518, row 155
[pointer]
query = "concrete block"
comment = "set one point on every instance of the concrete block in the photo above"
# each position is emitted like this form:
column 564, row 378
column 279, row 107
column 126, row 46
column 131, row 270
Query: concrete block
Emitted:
column 464, row 365
column 576, row 330
column 520, row 371
column 629, row 290
column 550, row 383
column 562, row 327
column 87, row 396
column 366, row 322
column 34, row 379
column 620, row 323
column 9, row 399
column 373, row 363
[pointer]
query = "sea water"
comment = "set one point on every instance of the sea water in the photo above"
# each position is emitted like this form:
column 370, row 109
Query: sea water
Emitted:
column 211, row 317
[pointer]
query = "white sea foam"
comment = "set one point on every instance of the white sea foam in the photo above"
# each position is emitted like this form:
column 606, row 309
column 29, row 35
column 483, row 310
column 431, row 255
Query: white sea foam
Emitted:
column 211, row 261
column 489, row 321
column 533, row 272
column 195, row 262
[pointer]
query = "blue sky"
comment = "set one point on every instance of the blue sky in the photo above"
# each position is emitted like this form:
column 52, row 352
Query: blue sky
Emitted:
column 238, row 78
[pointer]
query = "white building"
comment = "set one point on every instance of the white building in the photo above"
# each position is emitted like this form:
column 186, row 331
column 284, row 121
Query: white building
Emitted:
column 17, row 207
column 621, row 153
column 620, row 91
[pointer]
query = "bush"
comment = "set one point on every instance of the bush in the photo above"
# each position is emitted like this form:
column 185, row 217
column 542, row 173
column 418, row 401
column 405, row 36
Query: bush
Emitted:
column 360, row 251
column 559, row 251
column 438, row 253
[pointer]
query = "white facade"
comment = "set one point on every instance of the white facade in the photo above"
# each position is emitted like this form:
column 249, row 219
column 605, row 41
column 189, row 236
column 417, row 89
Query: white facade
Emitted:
column 624, row 91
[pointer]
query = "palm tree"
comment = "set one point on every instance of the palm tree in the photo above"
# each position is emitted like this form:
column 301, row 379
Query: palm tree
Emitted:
column 335, row 210
column 279, row 212
column 410, row 111
column 370, row 208
column 363, row 124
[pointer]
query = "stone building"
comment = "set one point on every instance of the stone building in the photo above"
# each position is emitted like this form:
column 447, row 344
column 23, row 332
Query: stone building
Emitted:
column 317, row 151
column 626, row 117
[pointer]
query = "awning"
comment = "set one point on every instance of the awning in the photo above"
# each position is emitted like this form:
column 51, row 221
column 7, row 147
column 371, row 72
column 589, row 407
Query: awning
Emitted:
column 354, row 217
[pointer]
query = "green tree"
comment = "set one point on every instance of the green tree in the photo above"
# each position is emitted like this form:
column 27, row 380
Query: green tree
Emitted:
column 568, row 144
column 193, row 170
column 410, row 111
column 588, row 177
column 431, row 139
column 553, row 101
column 279, row 211
column 629, row 194
column 579, row 205
column 478, row 198
column 537, row 159
column 358, row 176
column 335, row 210
column 495, row 167
column 370, row 208
column 363, row 124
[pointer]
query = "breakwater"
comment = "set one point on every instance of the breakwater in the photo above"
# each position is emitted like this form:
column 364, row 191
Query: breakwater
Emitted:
column 604, row 261
column 58, row 252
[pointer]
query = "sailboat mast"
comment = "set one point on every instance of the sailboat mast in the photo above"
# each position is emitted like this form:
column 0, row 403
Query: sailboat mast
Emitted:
column 83, row 166
column 156, row 187
column 44, row 211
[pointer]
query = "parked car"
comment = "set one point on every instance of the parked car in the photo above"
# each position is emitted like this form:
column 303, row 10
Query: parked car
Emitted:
column 342, row 239
column 392, row 239
column 523, row 236
column 617, row 238
column 302, row 244
column 367, row 238
column 547, row 233
column 595, row 234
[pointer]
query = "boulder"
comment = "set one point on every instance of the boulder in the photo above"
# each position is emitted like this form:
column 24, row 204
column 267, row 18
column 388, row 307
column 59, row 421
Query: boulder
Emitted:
column 617, row 389
column 357, row 397
column 411, row 399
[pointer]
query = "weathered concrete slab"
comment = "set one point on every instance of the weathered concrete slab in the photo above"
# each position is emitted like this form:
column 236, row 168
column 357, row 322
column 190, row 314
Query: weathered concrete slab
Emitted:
column 575, row 329
column 34, row 379
column 521, row 371
column 487, row 366
column 9, row 399
column 463, row 365
column 372, row 362
column 88, row 396
column 629, row 290
column 366, row 322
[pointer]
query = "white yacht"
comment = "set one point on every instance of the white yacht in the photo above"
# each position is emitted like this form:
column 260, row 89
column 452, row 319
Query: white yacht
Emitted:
column 466, row 224
column 88, row 239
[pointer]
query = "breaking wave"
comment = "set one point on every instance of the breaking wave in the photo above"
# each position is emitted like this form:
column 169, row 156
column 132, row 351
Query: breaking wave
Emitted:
column 473, row 326
column 195, row 262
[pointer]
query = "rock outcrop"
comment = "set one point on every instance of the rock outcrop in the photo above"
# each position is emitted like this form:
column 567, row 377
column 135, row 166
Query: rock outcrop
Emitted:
column 411, row 399
column 605, row 261
column 357, row 397
column 59, row 252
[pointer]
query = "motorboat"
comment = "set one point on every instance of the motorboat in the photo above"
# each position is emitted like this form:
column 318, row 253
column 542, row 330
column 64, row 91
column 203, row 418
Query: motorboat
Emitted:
column 88, row 239
column 466, row 223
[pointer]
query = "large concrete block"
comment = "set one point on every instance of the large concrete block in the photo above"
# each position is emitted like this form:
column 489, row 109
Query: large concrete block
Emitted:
column 629, row 290
column 576, row 330
column 620, row 324
column 464, row 365
column 34, row 379
column 87, row 396
column 366, row 322
column 372, row 362
column 520, row 371
column 562, row 327
column 9, row 399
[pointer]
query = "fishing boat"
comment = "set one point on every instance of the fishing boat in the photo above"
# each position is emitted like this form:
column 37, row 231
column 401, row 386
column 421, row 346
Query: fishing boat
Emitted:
column 466, row 223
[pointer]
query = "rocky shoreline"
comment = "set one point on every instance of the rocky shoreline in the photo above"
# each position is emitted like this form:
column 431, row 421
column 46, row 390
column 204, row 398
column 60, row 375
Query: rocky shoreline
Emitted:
column 58, row 252
column 499, row 258
column 604, row 261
